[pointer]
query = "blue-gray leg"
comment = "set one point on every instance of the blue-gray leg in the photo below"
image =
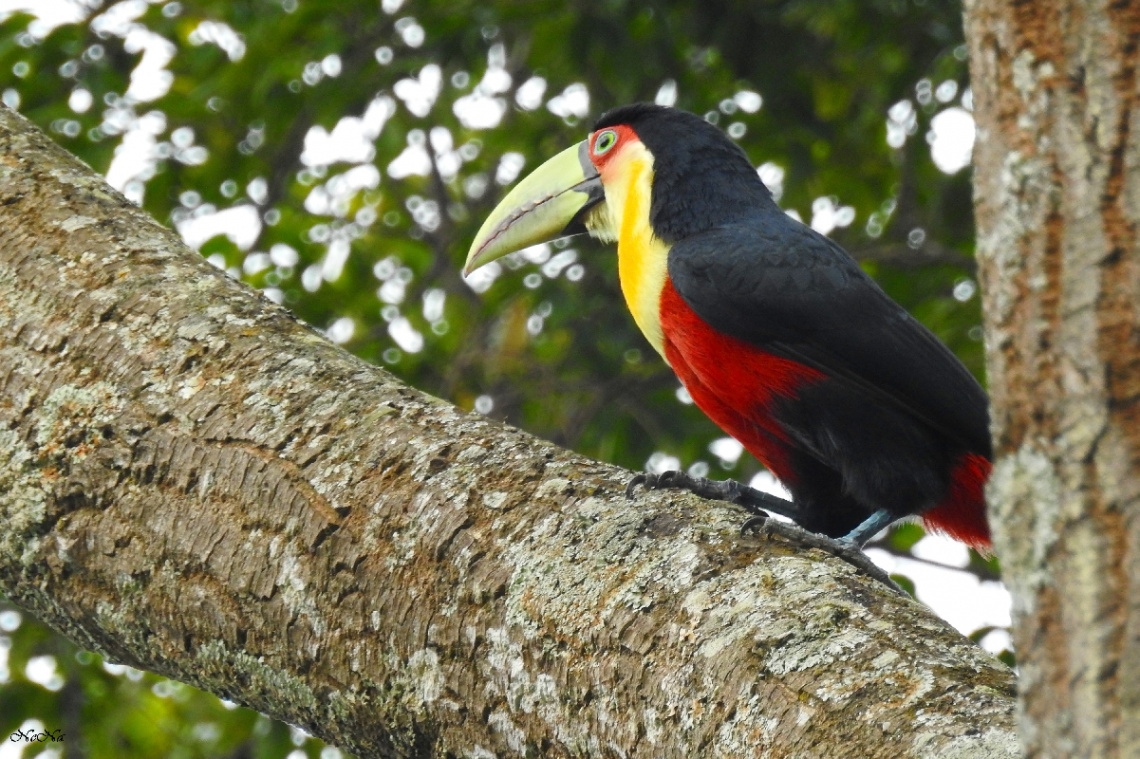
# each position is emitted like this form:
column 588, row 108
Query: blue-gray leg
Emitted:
column 868, row 528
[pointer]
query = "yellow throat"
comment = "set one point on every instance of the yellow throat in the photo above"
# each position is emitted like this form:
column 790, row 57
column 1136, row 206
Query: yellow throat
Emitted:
column 641, row 255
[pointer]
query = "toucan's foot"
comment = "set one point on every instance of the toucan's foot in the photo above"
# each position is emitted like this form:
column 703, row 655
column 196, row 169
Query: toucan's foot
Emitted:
column 756, row 502
column 844, row 548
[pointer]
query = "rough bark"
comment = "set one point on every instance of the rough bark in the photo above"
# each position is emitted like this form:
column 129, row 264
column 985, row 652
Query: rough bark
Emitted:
column 1058, row 202
column 194, row 483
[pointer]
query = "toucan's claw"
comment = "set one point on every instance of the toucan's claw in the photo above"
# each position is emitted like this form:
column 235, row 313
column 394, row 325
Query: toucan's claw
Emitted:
column 753, row 523
column 631, row 486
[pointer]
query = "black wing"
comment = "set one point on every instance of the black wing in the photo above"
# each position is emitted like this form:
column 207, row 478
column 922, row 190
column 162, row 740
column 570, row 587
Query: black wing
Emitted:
column 779, row 285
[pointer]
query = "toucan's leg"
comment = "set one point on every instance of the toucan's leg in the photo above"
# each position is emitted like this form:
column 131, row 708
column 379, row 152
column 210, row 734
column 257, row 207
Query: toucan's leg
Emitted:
column 755, row 501
column 868, row 528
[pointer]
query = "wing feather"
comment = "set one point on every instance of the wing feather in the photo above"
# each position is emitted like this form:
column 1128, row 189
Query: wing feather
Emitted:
column 779, row 285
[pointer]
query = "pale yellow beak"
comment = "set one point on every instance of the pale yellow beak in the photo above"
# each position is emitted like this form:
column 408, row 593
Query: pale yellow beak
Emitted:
column 549, row 203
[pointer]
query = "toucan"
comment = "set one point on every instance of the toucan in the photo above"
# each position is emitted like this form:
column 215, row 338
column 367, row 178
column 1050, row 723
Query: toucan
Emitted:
column 775, row 331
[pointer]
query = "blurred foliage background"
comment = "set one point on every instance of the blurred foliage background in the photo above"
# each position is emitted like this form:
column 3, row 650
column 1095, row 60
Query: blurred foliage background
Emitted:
column 340, row 156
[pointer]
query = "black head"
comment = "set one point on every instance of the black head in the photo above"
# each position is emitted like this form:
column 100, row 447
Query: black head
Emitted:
column 701, row 178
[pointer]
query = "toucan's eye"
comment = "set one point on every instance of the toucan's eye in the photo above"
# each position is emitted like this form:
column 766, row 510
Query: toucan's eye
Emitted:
column 604, row 141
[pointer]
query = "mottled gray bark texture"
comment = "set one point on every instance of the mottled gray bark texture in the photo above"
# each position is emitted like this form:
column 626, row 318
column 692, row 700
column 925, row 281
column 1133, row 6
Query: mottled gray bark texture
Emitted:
column 194, row 483
column 1058, row 205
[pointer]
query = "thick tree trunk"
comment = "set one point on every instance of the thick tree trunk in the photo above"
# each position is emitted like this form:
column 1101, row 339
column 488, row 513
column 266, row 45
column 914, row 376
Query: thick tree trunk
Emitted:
column 196, row 484
column 1058, row 195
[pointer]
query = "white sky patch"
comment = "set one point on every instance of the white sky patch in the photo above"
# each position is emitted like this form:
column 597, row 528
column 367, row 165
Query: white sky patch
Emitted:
column 942, row 550
column 766, row 482
column 496, row 80
column 419, row 94
column 414, row 160
column 482, row 109
column 482, row 278
column 42, row 670
column 559, row 261
column 434, row 299
column 257, row 190
column 662, row 462
column 149, row 79
column 447, row 160
column 410, row 31
column 377, row 115
column 283, row 255
column 80, row 100
column 827, row 215
column 946, row 91
column 748, row 101
column 405, row 335
column 537, row 254
column 772, row 175
column 352, row 139
column 119, row 18
column 333, row 264
column 392, row 292
column 530, row 93
column 666, row 93
column 362, row 177
column 509, row 167
column 726, row 449
column 185, row 150
column 965, row 289
column 332, row 65
column 479, row 111
column 10, row 621
column 951, row 138
column 319, row 202
column 311, row 278
column 137, row 154
column 574, row 101
column 255, row 263
column 346, row 142
column 240, row 224
column 52, row 13
column 220, row 34
column 341, row 330
column 902, row 121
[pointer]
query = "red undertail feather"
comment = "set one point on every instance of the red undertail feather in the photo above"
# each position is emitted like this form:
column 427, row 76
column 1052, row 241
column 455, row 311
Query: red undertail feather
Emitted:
column 962, row 514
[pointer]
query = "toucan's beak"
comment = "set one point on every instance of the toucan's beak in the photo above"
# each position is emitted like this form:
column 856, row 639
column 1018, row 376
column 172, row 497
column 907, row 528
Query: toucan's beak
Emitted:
column 549, row 203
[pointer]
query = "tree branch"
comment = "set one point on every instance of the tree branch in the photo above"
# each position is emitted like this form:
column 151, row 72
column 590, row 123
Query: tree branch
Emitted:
column 194, row 483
